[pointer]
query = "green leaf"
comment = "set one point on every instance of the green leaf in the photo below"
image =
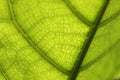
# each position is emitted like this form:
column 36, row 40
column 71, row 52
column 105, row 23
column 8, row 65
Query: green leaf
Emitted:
column 59, row 39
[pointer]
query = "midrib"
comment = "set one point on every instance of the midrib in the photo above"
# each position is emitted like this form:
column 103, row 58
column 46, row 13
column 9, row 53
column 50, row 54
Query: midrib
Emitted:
column 88, row 42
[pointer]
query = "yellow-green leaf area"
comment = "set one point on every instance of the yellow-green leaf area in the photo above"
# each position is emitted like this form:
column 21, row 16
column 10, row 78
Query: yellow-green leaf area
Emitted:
column 59, row 40
column 104, row 38
column 4, row 10
column 112, row 11
column 88, row 9
column 19, row 61
column 49, row 24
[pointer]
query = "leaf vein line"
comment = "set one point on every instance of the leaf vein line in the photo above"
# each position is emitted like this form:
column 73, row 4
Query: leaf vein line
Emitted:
column 77, row 14
column 32, row 44
column 87, row 43
column 88, row 65
column 110, row 19
column 3, row 72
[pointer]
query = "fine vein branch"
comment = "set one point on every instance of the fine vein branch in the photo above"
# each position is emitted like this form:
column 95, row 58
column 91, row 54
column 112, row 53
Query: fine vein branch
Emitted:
column 76, row 13
column 110, row 19
column 88, row 42
column 4, row 73
column 32, row 44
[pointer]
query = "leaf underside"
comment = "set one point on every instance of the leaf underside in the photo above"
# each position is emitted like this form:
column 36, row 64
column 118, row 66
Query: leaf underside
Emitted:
column 59, row 40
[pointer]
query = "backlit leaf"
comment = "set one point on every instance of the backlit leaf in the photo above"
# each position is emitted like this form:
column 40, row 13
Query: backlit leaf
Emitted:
column 59, row 39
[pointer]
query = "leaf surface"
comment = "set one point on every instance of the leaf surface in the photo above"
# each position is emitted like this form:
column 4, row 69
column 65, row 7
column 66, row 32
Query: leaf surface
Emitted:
column 59, row 39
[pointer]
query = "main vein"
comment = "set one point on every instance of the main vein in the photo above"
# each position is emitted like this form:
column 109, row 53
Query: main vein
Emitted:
column 88, row 42
column 32, row 44
column 100, row 56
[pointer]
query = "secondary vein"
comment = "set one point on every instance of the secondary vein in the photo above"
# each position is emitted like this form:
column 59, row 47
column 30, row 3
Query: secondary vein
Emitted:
column 32, row 44
column 99, row 57
column 71, row 7
column 4, row 73
column 88, row 42
column 110, row 19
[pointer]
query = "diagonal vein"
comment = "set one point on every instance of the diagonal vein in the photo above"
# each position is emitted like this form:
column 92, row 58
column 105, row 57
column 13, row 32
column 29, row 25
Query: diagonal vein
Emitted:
column 110, row 19
column 4, row 73
column 88, row 42
column 76, row 13
column 32, row 44
column 99, row 57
